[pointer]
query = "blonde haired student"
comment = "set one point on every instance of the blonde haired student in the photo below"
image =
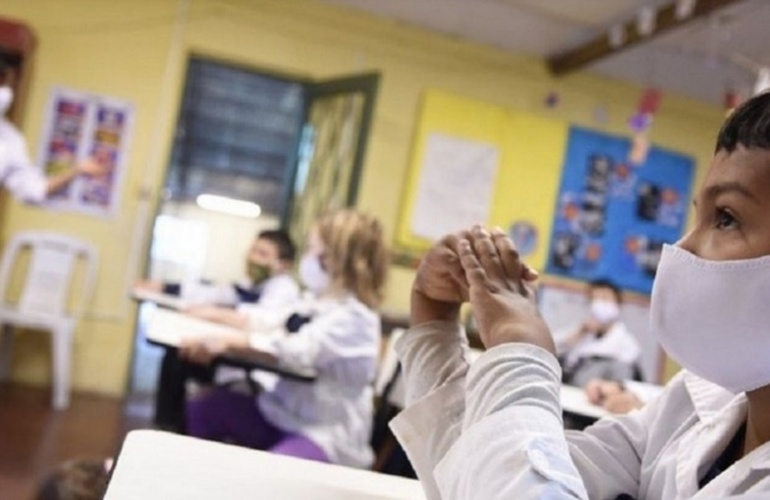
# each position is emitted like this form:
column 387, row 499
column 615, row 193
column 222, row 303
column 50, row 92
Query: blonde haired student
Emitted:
column 329, row 419
column 493, row 430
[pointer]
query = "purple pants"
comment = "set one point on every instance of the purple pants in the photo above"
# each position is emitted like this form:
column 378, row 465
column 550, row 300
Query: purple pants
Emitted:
column 225, row 415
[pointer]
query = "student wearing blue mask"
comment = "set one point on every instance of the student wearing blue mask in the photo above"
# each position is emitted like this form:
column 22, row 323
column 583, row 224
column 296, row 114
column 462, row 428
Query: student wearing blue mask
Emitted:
column 493, row 430
column 329, row 419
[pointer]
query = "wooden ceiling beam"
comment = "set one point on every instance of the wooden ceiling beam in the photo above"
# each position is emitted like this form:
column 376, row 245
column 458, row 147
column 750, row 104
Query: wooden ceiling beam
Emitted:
column 600, row 47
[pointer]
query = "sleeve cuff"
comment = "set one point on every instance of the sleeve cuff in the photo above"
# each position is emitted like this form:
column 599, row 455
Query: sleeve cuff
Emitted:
column 449, row 333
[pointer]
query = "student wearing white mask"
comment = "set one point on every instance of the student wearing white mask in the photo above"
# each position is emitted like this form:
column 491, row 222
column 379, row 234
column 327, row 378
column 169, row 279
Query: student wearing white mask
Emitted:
column 329, row 419
column 493, row 430
column 19, row 175
column 602, row 346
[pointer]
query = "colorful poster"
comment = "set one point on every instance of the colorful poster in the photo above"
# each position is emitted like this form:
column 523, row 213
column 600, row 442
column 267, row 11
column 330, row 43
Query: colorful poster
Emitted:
column 612, row 218
column 82, row 126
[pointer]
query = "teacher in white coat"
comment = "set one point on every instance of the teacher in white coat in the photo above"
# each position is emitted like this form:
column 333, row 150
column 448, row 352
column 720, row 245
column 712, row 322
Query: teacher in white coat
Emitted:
column 18, row 174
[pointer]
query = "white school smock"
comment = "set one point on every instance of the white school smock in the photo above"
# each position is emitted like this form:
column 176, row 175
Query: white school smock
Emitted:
column 617, row 343
column 17, row 172
column 276, row 291
column 493, row 430
column 335, row 411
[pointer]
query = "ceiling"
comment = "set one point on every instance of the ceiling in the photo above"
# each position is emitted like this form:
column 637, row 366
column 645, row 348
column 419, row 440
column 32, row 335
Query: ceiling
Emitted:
column 696, row 60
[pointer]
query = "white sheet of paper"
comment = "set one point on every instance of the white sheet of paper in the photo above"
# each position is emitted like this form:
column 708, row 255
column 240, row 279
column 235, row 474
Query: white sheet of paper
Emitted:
column 455, row 187
column 171, row 327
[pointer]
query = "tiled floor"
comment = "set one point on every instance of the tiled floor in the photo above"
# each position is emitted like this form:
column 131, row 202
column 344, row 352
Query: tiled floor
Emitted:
column 34, row 437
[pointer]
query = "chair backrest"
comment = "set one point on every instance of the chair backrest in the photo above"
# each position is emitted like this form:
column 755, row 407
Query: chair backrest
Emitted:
column 48, row 279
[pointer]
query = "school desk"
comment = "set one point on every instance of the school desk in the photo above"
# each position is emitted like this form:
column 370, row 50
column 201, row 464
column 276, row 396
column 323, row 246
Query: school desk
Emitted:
column 160, row 299
column 155, row 464
column 167, row 329
column 575, row 401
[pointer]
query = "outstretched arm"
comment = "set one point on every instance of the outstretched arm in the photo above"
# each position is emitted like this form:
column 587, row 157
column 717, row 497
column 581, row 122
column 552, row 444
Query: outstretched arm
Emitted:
column 61, row 180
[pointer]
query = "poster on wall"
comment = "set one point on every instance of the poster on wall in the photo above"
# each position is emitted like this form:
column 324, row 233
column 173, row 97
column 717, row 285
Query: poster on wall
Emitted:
column 78, row 126
column 455, row 187
column 612, row 218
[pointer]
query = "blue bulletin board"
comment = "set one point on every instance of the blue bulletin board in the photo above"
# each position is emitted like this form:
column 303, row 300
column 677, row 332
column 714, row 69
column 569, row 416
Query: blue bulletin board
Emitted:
column 612, row 218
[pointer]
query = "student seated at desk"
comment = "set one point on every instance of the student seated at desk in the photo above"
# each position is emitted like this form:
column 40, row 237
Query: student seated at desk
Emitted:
column 601, row 347
column 269, row 262
column 493, row 430
column 329, row 419
column 270, row 287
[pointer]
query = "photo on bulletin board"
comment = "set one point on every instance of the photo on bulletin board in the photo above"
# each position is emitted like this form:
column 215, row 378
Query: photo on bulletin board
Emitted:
column 78, row 126
column 612, row 217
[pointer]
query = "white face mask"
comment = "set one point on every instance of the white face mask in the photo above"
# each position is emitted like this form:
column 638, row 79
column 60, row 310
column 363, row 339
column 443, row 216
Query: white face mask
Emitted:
column 312, row 274
column 712, row 317
column 605, row 311
column 6, row 98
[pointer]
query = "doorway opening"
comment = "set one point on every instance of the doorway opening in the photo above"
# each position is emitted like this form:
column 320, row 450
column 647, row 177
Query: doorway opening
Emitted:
column 283, row 149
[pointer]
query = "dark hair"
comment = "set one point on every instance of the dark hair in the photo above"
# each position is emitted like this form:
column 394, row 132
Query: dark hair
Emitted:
column 281, row 239
column 605, row 283
column 747, row 126
column 83, row 479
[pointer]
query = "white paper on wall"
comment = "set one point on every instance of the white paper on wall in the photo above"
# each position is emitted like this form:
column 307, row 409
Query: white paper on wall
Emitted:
column 455, row 187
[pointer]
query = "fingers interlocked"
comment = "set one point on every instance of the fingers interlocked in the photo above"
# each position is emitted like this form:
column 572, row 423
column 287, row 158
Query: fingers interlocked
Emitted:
column 492, row 261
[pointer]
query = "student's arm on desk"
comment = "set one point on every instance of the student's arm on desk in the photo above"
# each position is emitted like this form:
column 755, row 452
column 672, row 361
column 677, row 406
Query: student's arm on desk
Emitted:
column 221, row 315
column 261, row 319
column 204, row 350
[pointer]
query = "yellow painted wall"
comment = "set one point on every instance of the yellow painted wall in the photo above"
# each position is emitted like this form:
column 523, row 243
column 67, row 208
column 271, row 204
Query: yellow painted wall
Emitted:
column 126, row 49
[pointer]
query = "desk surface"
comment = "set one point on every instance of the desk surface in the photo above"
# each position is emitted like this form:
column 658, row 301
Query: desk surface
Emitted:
column 154, row 464
column 161, row 299
column 168, row 328
column 575, row 401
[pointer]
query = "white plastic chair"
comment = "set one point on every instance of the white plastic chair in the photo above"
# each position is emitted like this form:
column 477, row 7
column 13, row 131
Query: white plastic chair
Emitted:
column 43, row 301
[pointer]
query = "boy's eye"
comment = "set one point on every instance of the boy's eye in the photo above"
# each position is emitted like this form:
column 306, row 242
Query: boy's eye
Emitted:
column 724, row 219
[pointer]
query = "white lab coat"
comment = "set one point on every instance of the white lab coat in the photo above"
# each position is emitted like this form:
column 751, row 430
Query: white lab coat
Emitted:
column 17, row 172
column 617, row 343
column 341, row 343
column 493, row 430
column 276, row 292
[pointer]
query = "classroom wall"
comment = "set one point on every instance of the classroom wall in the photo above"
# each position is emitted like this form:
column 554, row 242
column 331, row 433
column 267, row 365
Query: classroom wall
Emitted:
column 136, row 49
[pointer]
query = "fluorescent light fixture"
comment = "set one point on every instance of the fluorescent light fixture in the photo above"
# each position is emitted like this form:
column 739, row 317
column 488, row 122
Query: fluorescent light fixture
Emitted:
column 229, row 206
